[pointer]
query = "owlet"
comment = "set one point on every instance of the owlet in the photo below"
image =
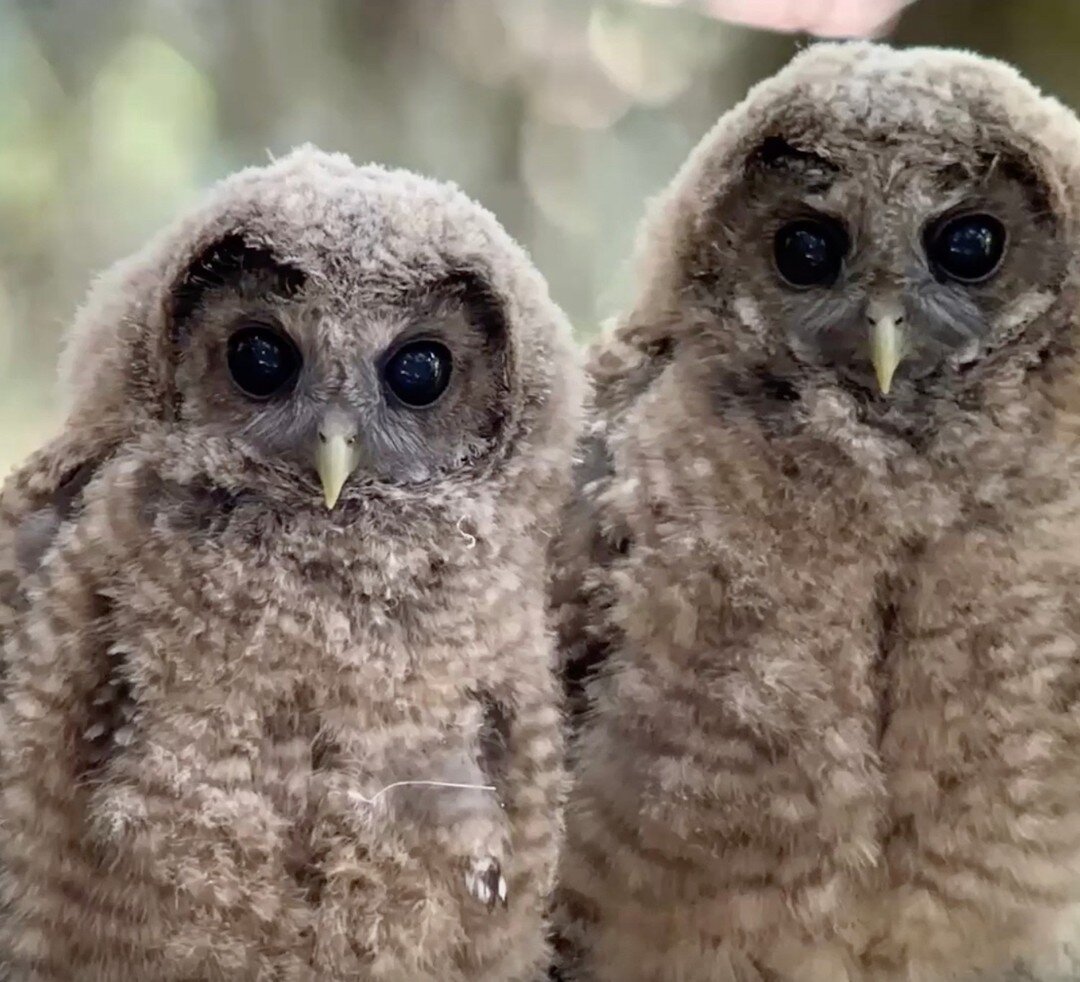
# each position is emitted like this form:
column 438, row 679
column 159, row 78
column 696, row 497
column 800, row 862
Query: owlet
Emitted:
column 279, row 698
column 818, row 583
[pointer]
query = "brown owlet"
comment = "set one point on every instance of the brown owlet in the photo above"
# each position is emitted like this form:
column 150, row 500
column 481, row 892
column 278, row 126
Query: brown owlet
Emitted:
column 279, row 698
column 819, row 581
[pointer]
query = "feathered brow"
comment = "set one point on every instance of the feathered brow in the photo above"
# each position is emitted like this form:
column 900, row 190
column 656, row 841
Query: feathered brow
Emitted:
column 221, row 264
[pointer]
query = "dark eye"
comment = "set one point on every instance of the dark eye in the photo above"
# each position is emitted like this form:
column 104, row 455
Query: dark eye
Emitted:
column 262, row 361
column 419, row 372
column 967, row 249
column 809, row 252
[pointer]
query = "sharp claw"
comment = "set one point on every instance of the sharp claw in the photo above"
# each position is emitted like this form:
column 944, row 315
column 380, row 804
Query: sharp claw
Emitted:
column 484, row 880
column 490, row 878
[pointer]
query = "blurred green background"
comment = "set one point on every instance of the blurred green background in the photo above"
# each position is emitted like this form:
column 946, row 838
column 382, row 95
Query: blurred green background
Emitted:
column 563, row 116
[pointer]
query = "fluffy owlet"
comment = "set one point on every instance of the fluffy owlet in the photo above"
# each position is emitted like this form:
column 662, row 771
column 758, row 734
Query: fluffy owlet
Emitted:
column 820, row 577
column 279, row 698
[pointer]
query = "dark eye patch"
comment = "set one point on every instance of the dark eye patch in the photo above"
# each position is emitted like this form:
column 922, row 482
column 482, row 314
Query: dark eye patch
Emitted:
column 1025, row 175
column 262, row 361
column 966, row 248
column 419, row 372
column 810, row 251
column 775, row 155
column 220, row 265
column 478, row 297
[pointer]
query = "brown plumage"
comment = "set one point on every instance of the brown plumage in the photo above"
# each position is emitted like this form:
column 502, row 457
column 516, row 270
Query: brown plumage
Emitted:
column 45, row 491
column 819, row 578
column 215, row 681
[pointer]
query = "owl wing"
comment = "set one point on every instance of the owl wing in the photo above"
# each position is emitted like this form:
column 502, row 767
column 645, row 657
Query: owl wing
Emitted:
column 577, row 552
column 67, row 705
column 35, row 501
column 622, row 368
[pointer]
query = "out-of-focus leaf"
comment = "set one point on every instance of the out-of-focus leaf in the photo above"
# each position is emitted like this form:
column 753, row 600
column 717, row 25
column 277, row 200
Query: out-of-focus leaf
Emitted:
column 152, row 120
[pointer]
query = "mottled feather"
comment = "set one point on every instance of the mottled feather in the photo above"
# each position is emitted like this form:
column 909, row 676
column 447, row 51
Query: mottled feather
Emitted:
column 830, row 712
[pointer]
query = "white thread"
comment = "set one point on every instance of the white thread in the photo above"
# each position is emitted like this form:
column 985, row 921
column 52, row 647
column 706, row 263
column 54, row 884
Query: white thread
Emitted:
column 470, row 540
column 428, row 784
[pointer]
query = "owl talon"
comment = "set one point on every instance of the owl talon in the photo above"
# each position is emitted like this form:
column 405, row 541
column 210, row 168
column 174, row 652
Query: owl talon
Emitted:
column 485, row 882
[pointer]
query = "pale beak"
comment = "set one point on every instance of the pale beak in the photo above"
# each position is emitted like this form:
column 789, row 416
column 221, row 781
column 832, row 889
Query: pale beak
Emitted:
column 887, row 340
column 336, row 457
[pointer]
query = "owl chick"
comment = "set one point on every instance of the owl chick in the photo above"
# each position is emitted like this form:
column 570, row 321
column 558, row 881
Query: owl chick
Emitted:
column 818, row 580
column 279, row 700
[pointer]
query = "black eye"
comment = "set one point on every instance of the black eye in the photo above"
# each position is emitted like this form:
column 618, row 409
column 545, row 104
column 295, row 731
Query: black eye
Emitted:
column 967, row 249
column 262, row 361
column 419, row 372
column 809, row 252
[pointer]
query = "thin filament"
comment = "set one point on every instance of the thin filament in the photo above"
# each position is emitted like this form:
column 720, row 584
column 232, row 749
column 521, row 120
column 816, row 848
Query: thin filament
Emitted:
column 429, row 784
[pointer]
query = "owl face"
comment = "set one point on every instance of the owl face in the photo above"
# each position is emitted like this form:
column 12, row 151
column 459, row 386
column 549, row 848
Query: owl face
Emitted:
column 367, row 379
column 899, row 265
column 316, row 333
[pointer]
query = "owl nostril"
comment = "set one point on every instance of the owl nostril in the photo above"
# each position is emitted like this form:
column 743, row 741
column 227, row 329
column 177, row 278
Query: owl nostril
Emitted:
column 322, row 437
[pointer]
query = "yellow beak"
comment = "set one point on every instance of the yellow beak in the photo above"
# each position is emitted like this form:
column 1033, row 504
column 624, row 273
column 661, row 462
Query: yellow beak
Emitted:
column 887, row 339
column 336, row 457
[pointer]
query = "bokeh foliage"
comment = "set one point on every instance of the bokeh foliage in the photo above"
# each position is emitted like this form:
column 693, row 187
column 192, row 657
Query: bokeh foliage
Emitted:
column 563, row 116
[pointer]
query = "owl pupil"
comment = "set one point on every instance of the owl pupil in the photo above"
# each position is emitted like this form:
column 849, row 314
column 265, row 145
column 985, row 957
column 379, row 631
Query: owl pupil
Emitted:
column 967, row 249
column 262, row 361
column 809, row 252
column 419, row 373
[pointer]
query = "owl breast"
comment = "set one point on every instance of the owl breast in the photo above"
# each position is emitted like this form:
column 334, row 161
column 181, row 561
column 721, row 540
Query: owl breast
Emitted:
column 273, row 728
column 232, row 644
column 822, row 709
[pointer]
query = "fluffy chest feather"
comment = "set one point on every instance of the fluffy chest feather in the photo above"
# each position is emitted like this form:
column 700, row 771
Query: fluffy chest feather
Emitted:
column 840, row 688
column 276, row 660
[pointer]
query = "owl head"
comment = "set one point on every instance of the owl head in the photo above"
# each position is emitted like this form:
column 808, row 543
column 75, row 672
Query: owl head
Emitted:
column 899, row 224
column 339, row 330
